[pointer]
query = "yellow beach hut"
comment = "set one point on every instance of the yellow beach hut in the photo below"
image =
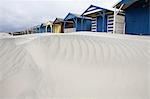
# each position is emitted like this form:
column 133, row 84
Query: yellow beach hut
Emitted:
column 58, row 25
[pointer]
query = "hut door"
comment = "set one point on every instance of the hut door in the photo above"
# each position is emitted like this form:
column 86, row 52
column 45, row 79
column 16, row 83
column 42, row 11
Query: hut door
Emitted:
column 94, row 24
column 110, row 20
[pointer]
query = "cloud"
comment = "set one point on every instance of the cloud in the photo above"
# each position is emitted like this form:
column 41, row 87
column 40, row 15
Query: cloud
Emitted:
column 16, row 15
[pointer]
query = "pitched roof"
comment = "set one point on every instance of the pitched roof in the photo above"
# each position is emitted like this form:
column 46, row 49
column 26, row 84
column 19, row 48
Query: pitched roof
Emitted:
column 58, row 20
column 47, row 23
column 94, row 9
column 126, row 3
column 72, row 15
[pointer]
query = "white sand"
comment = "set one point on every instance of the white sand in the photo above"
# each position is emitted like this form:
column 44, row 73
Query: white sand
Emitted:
column 75, row 66
column 4, row 35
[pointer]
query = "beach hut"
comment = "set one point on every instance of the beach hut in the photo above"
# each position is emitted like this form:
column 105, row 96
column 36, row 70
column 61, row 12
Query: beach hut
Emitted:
column 49, row 26
column 37, row 28
column 43, row 28
column 76, row 23
column 58, row 25
column 103, row 20
column 137, row 16
column 46, row 27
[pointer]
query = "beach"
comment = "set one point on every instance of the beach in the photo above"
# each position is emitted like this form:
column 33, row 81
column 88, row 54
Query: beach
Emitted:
column 82, row 65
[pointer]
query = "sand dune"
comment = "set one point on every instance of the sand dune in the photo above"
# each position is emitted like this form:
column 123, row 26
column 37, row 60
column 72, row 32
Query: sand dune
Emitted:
column 75, row 66
column 4, row 35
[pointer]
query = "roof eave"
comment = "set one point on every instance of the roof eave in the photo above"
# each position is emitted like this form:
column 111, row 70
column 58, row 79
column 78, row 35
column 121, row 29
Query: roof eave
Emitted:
column 126, row 3
column 95, row 9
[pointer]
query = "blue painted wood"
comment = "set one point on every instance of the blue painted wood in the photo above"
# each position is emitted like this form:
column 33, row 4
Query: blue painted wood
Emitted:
column 76, row 23
column 126, row 2
column 101, row 19
column 37, row 28
column 137, row 16
column 70, row 16
column 85, row 26
column 102, row 23
column 48, row 29
column 93, row 8
column 99, row 23
column 137, row 19
column 129, row 1
column 80, row 23
column 42, row 29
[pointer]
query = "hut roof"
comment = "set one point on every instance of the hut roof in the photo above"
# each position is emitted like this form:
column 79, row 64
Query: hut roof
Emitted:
column 95, row 9
column 58, row 20
column 126, row 3
column 49, row 23
column 72, row 15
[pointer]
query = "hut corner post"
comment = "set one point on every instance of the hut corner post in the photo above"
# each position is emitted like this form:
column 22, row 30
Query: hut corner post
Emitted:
column 116, row 13
column 114, row 27
column 82, row 24
column 46, row 29
column 76, row 24
column 103, row 15
column 38, row 30
column 51, row 28
column 64, row 25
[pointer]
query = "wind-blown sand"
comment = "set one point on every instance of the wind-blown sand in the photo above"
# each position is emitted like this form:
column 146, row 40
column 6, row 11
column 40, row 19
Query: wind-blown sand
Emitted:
column 4, row 35
column 75, row 66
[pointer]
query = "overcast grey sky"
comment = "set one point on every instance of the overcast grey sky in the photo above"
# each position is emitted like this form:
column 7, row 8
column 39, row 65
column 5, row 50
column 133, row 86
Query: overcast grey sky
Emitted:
column 16, row 15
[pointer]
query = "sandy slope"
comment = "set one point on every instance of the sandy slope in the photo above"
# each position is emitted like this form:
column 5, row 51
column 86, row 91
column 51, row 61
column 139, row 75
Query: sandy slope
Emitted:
column 75, row 66
column 4, row 35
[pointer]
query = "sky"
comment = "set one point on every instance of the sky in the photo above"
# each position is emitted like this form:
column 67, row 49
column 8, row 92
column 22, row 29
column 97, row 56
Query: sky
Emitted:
column 18, row 15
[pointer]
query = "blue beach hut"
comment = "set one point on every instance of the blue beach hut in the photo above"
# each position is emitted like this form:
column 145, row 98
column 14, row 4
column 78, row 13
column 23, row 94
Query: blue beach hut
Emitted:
column 43, row 28
column 37, row 29
column 103, row 20
column 75, row 23
column 46, row 27
column 137, row 16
